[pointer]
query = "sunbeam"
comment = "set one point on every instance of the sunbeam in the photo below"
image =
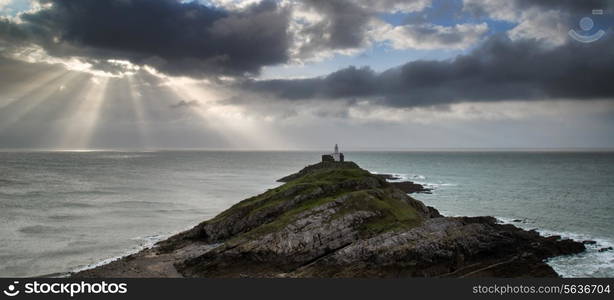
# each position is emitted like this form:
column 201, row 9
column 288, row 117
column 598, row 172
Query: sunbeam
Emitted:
column 25, row 87
column 19, row 108
column 136, row 98
column 238, row 129
column 85, row 118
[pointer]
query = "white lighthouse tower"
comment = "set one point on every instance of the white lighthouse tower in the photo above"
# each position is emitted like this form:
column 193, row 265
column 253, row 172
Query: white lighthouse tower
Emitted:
column 336, row 155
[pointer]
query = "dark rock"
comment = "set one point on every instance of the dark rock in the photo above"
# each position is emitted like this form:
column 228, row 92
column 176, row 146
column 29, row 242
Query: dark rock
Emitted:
column 433, row 212
column 589, row 242
column 605, row 249
column 388, row 176
column 410, row 187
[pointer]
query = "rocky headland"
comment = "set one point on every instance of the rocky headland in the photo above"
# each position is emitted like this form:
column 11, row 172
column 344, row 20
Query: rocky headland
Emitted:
column 334, row 219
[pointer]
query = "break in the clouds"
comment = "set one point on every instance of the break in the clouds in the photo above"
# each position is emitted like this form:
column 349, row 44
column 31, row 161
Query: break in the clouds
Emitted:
column 429, row 36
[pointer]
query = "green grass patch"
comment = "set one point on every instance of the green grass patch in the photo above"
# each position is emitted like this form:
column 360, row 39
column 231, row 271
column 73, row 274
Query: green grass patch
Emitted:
column 304, row 185
column 288, row 217
column 393, row 214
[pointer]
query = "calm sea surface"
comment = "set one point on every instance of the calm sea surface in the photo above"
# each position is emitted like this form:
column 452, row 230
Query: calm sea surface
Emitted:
column 62, row 211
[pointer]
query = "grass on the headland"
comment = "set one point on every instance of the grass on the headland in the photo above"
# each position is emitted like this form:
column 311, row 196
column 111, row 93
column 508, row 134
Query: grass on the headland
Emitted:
column 391, row 213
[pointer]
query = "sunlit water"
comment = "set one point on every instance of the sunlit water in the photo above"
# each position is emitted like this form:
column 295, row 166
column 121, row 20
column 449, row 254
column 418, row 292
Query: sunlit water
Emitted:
column 61, row 211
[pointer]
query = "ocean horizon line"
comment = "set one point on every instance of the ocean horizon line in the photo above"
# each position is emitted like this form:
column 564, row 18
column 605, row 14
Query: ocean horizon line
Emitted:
column 318, row 149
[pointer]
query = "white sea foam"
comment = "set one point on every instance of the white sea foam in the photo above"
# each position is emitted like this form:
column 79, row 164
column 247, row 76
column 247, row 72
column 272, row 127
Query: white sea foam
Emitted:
column 416, row 178
column 419, row 177
column 402, row 176
column 437, row 185
column 590, row 263
column 145, row 242
column 397, row 176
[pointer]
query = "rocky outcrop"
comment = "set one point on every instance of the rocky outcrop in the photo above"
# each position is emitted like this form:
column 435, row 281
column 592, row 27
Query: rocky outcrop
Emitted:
column 446, row 247
column 411, row 187
column 337, row 220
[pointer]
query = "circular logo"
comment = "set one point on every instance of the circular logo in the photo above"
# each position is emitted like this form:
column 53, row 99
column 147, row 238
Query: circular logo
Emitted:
column 12, row 290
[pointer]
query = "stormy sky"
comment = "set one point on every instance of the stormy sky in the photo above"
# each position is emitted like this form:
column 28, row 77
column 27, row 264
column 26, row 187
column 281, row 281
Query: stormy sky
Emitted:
column 305, row 74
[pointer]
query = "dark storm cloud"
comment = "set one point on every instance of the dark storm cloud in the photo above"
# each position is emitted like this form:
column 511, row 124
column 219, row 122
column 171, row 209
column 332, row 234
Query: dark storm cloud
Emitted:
column 176, row 38
column 343, row 26
column 501, row 69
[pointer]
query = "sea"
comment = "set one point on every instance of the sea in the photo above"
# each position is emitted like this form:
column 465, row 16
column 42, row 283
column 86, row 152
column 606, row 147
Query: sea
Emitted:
column 65, row 211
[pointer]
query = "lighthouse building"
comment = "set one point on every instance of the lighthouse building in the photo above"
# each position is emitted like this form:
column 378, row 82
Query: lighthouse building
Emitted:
column 335, row 156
